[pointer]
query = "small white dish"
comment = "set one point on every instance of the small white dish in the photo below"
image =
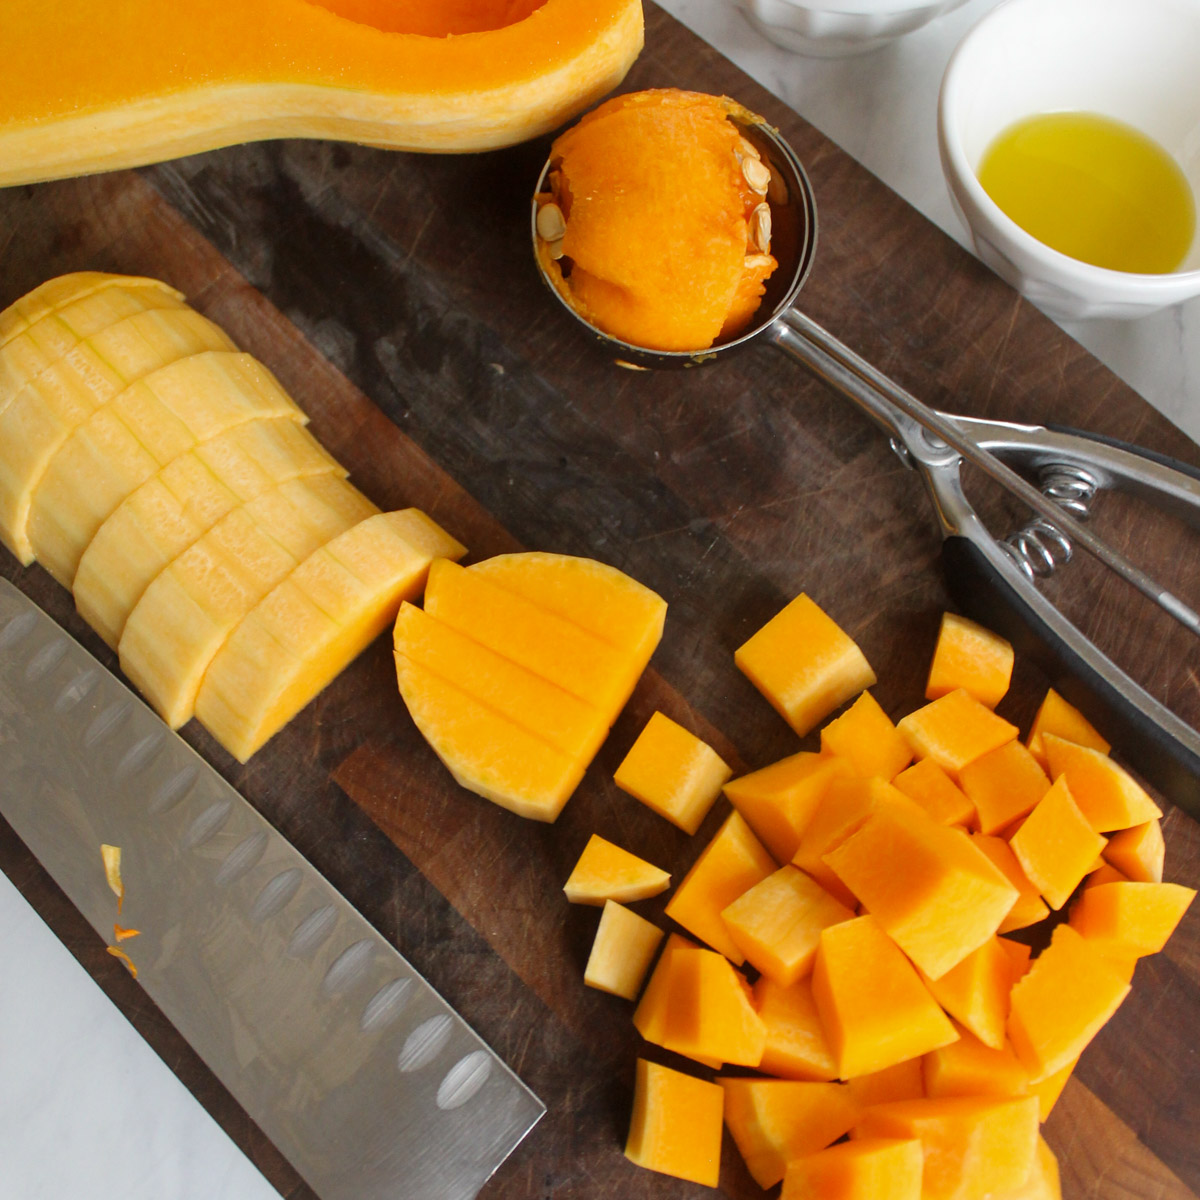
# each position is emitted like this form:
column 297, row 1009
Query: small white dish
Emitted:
column 838, row 28
column 1137, row 61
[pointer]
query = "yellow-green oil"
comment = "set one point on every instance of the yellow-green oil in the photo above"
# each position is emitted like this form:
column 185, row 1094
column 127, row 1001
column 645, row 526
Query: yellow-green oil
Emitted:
column 1094, row 188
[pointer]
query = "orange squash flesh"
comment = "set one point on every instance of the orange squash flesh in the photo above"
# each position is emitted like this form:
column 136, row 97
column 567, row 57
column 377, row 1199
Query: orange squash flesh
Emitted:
column 779, row 801
column 777, row 923
column 676, row 1124
column 650, row 1018
column 845, row 806
column 709, row 1015
column 1004, row 785
column 969, row 1068
column 968, row 656
column 1106, row 793
column 1055, row 715
column 804, row 663
column 774, row 1121
column 955, row 730
column 605, row 871
column 937, row 896
column 1055, row 845
column 797, row 1047
column 974, row 1146
column 866, row 1169
column 1029, row 907
column 903, row 1081
column 129, row 87
column 673, row 773
column 1139, row 852
column 875, row 1010
column 622, row 951
column 938, row 794
column 657, row 214
column 1136, row 917
column 866, row 738
column 976, row 991
column 1069, row 993
column 730, row 864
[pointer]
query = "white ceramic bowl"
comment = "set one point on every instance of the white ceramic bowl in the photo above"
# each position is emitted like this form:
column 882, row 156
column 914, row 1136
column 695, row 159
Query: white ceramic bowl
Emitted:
column 1137, row 61
column 834, row 28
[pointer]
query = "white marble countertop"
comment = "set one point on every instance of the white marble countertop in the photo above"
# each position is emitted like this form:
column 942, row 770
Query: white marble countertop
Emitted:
column 74, row 1076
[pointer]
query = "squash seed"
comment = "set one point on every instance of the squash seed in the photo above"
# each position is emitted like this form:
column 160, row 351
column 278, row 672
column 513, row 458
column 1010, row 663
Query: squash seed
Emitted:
column 555, row 249
column 757, row 175
column 551, row 225
column 747, row 149
column 760, row 227
column 755, row 262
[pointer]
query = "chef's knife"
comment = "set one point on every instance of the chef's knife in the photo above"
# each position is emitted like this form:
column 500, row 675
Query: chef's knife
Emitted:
column 357, row 1070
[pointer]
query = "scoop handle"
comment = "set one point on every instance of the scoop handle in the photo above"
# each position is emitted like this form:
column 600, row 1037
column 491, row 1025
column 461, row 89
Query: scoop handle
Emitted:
column 1156, row 743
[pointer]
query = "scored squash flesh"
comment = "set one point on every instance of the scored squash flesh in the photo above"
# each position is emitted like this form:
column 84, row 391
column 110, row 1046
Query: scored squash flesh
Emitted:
column 131, row 87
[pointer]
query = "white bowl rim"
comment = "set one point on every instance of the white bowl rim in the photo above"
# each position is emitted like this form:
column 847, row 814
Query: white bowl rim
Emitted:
column 1082, row 273
column 871, row 8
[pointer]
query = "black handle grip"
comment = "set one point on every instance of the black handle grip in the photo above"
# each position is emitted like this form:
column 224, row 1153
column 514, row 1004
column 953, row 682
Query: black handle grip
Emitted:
column 1163, row 460
column 985, row 595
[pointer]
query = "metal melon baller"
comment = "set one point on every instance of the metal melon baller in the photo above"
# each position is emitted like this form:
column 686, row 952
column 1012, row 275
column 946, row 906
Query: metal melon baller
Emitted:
column 993, row 581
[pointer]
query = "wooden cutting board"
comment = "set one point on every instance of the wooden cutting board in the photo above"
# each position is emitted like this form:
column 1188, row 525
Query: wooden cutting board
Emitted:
column 396, row 298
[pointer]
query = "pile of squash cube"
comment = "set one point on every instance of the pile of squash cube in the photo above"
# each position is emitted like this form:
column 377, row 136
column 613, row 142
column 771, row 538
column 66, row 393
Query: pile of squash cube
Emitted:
column 844, row 976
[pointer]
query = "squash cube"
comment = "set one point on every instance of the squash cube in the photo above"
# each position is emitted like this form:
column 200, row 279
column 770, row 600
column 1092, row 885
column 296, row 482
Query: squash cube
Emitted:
column 1049, row 1089
column 845, row 806
column 607, row 872
column 866, row 738
column 676, row 1124
column 975, row 1146
column 1138, row 853
column 1131, row 916
column 673, row 772
column 1055, row 845
column 1064, row 720
column 955, row 730
column 969, row 1068
column 777, row 923
column 1029, row 907
column 796, row 1044
column 866, row 1169
column 1043, row 1182
column 1106, row 793
column 621, row 952
column 929, row 887
column 731, row 863
column 774, row 1121
column 709, row 1015
column 902, row 1081
column 874, row 1008
column 1061, row 1004
column 1004, row 785
column 804, row 664
column 975, row 991
column 970, row 657
column 778, row 801
column 650, row 1016
column 927, row 784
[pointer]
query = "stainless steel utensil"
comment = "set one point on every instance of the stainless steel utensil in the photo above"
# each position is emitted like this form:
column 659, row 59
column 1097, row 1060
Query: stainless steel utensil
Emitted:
column 993, row 581
column 358, row 1071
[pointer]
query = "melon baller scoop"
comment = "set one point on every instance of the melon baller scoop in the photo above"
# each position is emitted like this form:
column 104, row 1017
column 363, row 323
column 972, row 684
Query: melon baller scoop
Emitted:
column 993, row 581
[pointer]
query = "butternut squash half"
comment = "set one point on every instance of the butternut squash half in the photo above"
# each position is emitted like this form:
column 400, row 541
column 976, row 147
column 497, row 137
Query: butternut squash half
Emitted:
column 135, row 82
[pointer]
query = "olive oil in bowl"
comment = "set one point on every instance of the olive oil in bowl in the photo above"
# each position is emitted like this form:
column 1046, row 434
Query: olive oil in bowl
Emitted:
column 1093, row 188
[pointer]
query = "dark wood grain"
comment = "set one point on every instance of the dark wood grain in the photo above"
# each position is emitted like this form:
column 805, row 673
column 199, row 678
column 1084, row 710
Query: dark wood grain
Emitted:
column 395, row 297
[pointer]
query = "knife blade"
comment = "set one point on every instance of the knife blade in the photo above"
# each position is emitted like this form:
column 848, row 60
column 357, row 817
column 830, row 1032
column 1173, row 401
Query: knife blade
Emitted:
column 349, row 1061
